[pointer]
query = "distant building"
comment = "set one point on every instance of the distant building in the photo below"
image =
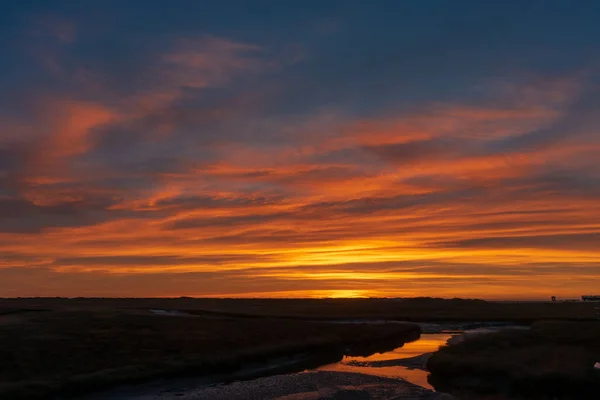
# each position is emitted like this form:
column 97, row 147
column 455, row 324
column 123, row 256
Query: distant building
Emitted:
column 590, row 298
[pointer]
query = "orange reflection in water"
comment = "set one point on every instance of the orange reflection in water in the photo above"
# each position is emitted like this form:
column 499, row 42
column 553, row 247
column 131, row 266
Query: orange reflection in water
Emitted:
column 427, row 343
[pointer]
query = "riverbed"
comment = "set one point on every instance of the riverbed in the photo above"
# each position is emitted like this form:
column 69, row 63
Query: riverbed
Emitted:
column 406, row 362
column 396, row 374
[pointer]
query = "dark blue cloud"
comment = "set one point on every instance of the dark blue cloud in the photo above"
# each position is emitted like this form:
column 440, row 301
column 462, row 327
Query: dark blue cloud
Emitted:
column 163, row 133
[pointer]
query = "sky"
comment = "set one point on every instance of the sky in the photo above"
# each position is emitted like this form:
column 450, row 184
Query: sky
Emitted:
column 300, row 148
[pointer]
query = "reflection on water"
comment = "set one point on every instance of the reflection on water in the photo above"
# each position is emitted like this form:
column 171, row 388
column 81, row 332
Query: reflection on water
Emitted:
column 406, row 362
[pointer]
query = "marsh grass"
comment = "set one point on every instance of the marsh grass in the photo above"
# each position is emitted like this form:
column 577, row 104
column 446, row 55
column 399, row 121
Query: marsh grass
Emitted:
column 552, row 360
column 410, row 309
column 52, row 346
column 70, row 352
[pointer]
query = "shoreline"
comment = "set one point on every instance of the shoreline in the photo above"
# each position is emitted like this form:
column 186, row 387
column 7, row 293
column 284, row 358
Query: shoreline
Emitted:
column 261, row 365
column 278, row 366
column 251, row 363
column 295, row 362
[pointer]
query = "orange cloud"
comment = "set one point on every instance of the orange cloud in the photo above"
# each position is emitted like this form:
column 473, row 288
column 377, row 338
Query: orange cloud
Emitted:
column 163, row 192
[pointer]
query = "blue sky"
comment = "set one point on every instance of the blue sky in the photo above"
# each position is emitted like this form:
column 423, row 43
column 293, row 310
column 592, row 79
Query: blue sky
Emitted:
column 299, row 148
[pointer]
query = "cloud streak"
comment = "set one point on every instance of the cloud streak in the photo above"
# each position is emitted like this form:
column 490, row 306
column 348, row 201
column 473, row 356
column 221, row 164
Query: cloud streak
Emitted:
column 184, row 161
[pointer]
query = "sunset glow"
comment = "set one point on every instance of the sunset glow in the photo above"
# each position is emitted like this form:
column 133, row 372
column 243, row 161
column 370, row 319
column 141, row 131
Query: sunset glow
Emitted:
column 335, row 152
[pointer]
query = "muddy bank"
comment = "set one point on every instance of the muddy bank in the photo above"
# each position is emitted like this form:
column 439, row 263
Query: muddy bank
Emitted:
column 45, row 355
column 353, row 377
column 281, row 361
column 317, row 385
column 408, row 363
column 416, row 362
column 310, row 385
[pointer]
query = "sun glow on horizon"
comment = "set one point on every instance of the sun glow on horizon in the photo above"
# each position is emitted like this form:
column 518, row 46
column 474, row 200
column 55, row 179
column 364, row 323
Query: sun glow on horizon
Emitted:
column 213, row 157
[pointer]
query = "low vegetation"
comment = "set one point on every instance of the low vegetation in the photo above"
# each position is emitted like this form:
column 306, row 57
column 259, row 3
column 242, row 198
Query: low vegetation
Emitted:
column 412, row 309
column 71, row 351
column 68, row 346
column 552, row 360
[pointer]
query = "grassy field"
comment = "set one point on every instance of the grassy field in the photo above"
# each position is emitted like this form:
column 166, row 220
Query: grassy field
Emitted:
column 57, row 350
column 552, row 360
column 417, row 309
column 75, row 345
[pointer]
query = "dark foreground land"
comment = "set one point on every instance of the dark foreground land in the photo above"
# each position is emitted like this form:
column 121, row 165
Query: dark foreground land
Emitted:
column 65, row 347
column 552, row 360
column 65, row 352
column 413, row 309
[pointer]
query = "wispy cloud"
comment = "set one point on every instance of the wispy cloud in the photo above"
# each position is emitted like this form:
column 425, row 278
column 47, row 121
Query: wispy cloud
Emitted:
column 178, row 162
